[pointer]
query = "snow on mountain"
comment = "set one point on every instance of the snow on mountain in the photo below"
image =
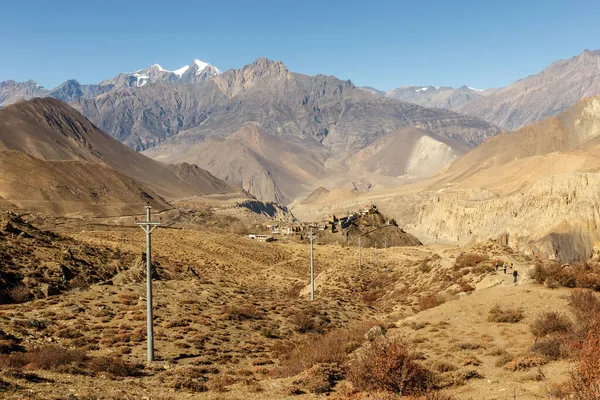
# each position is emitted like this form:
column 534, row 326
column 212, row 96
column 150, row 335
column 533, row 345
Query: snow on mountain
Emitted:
column 196, row 71
column 181, row 70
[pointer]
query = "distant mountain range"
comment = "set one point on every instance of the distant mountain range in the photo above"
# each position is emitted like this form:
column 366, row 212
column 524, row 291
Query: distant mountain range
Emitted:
column 72, row 91
column 434, row 96
column 280, row 134
column 523, row 102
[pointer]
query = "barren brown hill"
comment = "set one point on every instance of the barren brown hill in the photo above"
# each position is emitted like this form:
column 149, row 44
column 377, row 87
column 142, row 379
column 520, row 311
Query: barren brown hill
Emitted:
column 71, row 187
column 517, row 159
column 50, row 130
column 266, row 166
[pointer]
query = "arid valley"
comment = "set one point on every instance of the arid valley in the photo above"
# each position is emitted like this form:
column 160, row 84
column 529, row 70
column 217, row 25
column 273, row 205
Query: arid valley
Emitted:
column 285, row 228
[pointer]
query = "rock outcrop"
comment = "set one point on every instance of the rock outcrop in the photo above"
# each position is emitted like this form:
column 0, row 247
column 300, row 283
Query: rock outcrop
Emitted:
column 558, row 218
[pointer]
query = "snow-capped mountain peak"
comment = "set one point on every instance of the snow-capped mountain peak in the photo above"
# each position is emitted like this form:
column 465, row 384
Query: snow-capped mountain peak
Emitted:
column 197, row 71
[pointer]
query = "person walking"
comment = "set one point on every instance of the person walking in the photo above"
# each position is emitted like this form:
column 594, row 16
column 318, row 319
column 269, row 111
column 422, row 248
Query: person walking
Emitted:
column 515, row 275
column 497, row 263
column 504, row 266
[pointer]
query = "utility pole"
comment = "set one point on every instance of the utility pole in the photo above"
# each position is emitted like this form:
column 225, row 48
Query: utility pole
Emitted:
column 359, row 260
column 148, row 226
column 311, row 236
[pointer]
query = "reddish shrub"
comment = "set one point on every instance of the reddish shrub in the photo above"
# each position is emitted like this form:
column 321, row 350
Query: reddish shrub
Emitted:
column 389, row 365
column 586, row 380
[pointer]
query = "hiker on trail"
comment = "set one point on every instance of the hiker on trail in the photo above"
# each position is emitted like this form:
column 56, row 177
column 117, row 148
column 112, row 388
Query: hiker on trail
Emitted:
column 497, row 265
column 504, row 266
column 515, row 275
column 511, row 265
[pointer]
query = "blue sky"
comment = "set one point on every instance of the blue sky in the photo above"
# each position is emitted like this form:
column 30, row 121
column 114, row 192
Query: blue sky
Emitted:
column 384, row 44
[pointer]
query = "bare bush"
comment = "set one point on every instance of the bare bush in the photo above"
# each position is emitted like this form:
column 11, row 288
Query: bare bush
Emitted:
column 19, row 294
column 309, row 320
column 331, row 348
column 60, row 359
column 551, row 323
column 467, row 260
column 505, row 315
column 388, row 365
column 243, row 312
column 553, row 348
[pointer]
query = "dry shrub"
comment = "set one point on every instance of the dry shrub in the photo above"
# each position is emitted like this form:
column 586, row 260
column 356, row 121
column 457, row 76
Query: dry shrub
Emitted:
column 60, row 359
column 112, row 365
column 309, row 320
column 526, row 362
column 321, row 378
column 467, row 260
column 430, row 301
column 443, row 366
column 219, row 383
column 128, row 299
column 503, row 358
column 243, row 312
column 482, row 269
column 19, row 294
column 553, row 348
column 551, row 323
column 585, row 276
column 586, row 379
column 585, row 305
column 9, row 343
column 560, row 390
column 389, row 365
column 331, row 348
column 505, row 315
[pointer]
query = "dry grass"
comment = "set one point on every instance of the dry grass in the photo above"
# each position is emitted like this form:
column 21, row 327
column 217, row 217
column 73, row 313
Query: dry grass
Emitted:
column 56, row 358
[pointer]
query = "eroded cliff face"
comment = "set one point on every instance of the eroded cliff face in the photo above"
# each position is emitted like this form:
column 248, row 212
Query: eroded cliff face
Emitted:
column 557, row 218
